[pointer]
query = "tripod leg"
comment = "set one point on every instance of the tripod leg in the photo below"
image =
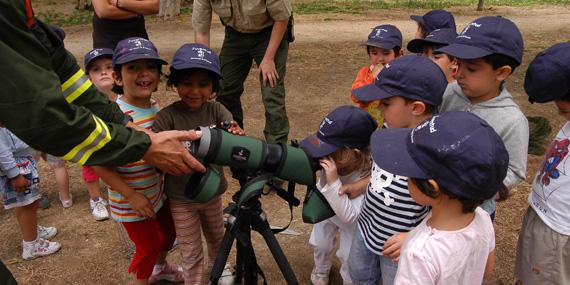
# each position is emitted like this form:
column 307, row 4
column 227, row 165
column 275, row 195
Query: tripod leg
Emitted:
column 262, row 226
column 223, row 253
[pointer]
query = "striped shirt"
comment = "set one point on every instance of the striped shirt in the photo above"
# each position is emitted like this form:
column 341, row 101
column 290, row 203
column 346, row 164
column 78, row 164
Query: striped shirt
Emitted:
column 139, row 175
column 388, row 209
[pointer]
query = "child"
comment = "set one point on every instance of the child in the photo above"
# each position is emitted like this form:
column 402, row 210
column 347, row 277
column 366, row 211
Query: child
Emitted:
column 437, row 39
column 99, row 67
column 484, row 64
column 454, row 162
column 342, row 146
column 19, row 184
column 136, row 197
column 546, row 218
column 383, row 45
column 61, row 175
column 432, row 20
column 410, row 88
column 195, row 74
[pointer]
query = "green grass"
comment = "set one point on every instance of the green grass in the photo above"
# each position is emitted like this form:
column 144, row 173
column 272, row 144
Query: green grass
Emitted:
column 360, row 6
column 78, row 17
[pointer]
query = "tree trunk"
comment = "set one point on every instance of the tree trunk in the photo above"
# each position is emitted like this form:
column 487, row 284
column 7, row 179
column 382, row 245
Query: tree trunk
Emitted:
column 480, row 5
column 169, row 9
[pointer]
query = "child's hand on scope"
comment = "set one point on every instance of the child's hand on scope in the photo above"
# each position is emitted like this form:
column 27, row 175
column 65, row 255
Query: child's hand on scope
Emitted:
column 393, row 245
column 141, row 205
column 329, row 167
column 235, row 129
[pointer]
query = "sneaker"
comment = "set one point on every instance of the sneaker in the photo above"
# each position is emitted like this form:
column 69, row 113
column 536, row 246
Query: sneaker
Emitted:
column 67, row 203
column 319, row 278
column 227, row 277
column 38, row 248
column 168, row 272
column 44, row 202
column 46, row 232
column 99, row 209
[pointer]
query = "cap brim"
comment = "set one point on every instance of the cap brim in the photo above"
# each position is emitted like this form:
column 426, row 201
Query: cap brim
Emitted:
column 417, row 45
column 134, row 57
column 417, row 18
column 390, row 152
column 195, row 66
column 464, row 51
column 316, row 147
column 384, row 45
column 369, row 93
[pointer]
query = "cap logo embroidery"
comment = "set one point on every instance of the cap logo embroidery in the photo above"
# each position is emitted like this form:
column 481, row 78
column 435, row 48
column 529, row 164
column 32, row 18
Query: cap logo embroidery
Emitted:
column 463, row 33
column 379, row 33
column 201, row 53
column 327, row 121
column 95, row 52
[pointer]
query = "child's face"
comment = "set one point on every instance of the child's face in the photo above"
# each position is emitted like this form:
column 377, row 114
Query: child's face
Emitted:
column 443, row 61
column 195, row 89
column 478, row 80
column 396, row 112
column 101, row 74
column 563, row 109
column 139, row 78
column 380, row 55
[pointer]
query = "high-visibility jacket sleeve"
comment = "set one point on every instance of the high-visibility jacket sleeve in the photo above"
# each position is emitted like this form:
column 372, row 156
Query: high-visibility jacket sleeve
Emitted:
column 34, row 107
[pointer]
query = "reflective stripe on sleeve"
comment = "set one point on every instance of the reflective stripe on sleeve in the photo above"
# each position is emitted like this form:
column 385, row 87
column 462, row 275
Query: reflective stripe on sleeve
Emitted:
column 95, row 141
column 73, row 87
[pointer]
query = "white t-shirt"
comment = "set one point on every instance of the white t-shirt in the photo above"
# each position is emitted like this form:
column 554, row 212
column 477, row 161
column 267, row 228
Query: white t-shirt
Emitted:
column 550, row 196
column 431, row 256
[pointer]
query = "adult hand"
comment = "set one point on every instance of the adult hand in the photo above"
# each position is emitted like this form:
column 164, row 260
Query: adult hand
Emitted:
column 268, row 72
column 141, row 205
column 331, row 173
column 20, row 183
column 166, row 152
column 393, row 246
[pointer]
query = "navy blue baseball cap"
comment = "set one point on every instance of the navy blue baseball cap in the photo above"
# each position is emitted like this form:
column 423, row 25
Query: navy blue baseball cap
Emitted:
column 436, row 37
column 410, row 76
column 95, row 54
column 196, row 56
column 345, row 127
column 548, row 75
column 436, row 19
column 457, row 149
column 384, row 36
column 485, row 36
column 131, row 49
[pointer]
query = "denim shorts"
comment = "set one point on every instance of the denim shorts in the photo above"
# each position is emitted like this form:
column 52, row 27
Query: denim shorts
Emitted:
column 367, row 267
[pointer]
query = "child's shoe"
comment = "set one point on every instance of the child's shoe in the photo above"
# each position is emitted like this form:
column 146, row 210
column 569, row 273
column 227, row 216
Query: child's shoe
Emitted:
column 318, row 278
column 38, row 248
column 168, row 272
column 46, row 232
column 227, row 277
column 99, row 209
column 66, row 203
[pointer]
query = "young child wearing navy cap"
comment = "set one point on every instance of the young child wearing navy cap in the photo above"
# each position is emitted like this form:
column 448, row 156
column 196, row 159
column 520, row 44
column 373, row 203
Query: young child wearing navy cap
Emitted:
column 484, row 64
column 383, row 45
column 546, row 219
column 195, row 75
column 136, row 196
column 342, row 145
column 434, row 40
column 454, row 162
column 410, row 89
column 432, row 20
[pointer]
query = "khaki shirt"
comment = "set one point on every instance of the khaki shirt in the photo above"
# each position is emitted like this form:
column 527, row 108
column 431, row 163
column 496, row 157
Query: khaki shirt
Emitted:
column 246, row 16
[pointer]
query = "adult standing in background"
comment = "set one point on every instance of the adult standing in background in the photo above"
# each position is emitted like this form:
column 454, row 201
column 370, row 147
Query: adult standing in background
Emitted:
column 255, row 30
column 114, row 20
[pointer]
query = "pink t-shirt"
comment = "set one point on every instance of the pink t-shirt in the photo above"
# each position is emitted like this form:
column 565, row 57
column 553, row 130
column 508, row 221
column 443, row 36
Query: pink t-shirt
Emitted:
column 431, row 256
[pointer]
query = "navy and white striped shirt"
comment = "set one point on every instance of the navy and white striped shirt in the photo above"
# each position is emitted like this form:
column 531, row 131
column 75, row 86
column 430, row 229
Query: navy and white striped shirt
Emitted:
column 388, row 209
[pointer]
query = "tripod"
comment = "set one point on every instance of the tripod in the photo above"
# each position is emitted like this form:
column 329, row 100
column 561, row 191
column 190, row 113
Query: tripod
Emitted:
column 247, row 215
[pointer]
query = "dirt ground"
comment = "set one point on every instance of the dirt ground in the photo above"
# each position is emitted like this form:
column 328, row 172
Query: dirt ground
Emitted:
column 322, row 64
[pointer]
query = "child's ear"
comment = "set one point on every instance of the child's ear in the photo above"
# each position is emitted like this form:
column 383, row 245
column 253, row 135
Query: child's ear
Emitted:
column 118, row 80
column 418, row 108
column 434, row 186
column 503, row 72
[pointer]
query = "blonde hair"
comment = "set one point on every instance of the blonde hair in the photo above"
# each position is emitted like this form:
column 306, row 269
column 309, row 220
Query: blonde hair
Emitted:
column 352, row 159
